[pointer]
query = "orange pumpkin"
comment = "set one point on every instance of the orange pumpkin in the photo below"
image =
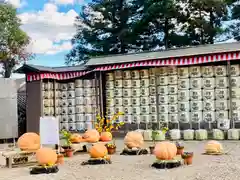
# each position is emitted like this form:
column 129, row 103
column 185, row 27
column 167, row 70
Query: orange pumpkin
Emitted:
column 29, row 142
column 213, row 147
column 91, row 136
column 106, row 136
column 76, row 138
column 46, row 156
column 98, row 151
column 165, row 150
column 133, row 139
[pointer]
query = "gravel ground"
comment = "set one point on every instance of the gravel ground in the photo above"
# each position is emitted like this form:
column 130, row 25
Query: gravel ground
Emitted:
column 225, row 167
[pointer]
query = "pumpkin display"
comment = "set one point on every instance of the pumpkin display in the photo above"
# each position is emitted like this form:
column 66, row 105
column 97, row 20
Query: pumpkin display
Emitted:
column 98, row 151
column 213, row 147
column 133, row 139
column 46, row 156
column 165, row 150
column 76, row 138
column 106, row 136
column 91, row 136
column 29, row 142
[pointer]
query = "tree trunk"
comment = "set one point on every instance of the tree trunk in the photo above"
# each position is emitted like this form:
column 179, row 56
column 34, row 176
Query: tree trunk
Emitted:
column 7, row 73
column 211, row 34
column 201, row 31
column 8, row 66
column 166, row 34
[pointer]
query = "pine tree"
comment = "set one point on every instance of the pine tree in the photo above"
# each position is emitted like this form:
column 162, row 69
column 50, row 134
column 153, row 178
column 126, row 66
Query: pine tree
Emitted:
column 158, row 25
column 204, row 20
column 103, row 28
column 234, row 27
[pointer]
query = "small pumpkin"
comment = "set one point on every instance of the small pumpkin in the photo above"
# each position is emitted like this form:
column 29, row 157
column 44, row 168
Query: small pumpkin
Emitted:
column 106, row 136
column 133, row 139
column 76, row 138
column 165, row 150
column 29, row 142
column 46, row 156
column 98, row 151
column 91, row 136
column 213, row 147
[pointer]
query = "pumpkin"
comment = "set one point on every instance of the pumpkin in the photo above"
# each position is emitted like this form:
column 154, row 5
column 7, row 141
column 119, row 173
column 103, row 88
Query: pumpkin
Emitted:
column 76, row 138
column 165, row 150
column 29, row 142
column 46, row 156
column 91, row 136
column 98, row 151
column 133, row 139
column 106, row 136
column 213, row 147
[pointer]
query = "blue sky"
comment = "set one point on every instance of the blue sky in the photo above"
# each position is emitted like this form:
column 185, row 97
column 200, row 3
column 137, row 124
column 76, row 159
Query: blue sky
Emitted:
column 50, row 24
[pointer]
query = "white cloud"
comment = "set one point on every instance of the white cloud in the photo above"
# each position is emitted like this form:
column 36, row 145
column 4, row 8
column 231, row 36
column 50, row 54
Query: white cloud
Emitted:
column 49, row 29
column 16, row 3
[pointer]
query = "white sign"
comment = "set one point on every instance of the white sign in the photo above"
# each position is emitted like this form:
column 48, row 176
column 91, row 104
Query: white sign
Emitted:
column 49, row 130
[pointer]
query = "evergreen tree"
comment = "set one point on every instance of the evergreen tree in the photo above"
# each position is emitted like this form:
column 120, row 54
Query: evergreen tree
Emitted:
column 103, row 28
column 158, row 25
column 234, row 27
column 204, row 20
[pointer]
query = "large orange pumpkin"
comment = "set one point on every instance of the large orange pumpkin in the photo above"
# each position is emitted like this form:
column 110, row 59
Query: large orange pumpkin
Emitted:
column 76, row 138
column 213, row 147
column 133, row 139
column 165, row 150
column 29, row 142
column 91, row 136
column 106, row 136
column 98, row 151
column 46, row 156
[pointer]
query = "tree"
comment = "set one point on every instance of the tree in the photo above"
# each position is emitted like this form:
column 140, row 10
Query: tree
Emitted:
column 234, row 27
column 103, row 28
column 13, row 41
column 204, row 20
column 158, row 24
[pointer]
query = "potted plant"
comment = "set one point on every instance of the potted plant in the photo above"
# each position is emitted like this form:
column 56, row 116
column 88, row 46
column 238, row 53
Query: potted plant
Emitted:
column 60, row 159
column 105, row 127
column 180, row 148
column 187, row 156
column 66, row 136
column 155, row 134
column 111, row 147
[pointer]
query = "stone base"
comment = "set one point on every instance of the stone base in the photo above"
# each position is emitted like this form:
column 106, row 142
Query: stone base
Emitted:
column 215, row 154
column 43, row 170
column 166, row 164
column 93, row 161
column 134, row 152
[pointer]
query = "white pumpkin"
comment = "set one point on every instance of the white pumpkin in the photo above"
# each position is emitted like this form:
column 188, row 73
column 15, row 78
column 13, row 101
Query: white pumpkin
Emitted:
column 175, row 134
column 147, row 135
column 233, row 134
column 188, row 134
column 201, row 134
column 218, row 134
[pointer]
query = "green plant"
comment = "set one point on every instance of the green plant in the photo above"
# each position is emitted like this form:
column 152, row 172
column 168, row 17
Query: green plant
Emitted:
column 66, row 137
column 187, row 154
column 155, row 133
column 111, row 145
